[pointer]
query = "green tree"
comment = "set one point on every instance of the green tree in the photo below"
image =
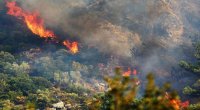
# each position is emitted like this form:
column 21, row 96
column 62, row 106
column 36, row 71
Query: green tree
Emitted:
column 193, row 90
column 3, row 86
column 22, row 84
column 6, row 104
column 6, row 57
column 41, row 83
column 9, row 65
column 48, row 66
column 6, row 61
column 43, row 98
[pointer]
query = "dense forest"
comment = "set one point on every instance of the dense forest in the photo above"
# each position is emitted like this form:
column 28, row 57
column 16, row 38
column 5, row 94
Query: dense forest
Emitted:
column 122, row 60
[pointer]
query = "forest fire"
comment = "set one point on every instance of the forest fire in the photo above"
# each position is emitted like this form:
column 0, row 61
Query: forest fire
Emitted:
column 73, row 47
column 36, row 25
column 32, row 20
column 129, row 72
column 176, row 103
column 99, row 54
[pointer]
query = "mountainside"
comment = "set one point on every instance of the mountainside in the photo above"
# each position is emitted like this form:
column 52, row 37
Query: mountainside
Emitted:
column 66, row 48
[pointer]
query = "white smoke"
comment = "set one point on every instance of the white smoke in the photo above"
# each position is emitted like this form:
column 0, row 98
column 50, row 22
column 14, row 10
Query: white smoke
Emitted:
column 116, row 27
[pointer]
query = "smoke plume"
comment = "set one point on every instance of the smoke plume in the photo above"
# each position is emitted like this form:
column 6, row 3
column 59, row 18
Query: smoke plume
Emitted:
column 148, row 31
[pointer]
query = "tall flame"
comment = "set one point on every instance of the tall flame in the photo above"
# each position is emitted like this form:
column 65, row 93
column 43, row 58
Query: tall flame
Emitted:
column 73, row 47
column 36, row 25
column 32, row 20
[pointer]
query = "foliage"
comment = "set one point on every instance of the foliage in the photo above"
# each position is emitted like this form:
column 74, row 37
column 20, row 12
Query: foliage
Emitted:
column 21, row 90
column 188, row 90
column 193, row 90
column 195, row 68
column 194, row 106
column 41, row 83
column 122, row 95
column 25, row 87
column 6, row 57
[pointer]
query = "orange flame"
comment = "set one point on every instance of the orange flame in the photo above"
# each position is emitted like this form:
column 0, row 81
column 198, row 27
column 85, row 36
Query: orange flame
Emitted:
column 36, row 25
column 176, row 103
column 32, row 20
column 127, row 73
column 73, row 47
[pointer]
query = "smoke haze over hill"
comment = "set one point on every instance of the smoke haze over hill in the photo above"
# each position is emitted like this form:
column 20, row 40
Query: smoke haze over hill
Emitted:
column 144, row 33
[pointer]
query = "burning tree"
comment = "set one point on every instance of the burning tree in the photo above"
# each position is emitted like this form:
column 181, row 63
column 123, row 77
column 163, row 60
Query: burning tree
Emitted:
column 36, row 25
column 122, row 95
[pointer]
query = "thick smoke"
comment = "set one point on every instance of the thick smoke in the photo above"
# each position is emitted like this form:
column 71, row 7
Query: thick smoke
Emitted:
column 149, row 31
